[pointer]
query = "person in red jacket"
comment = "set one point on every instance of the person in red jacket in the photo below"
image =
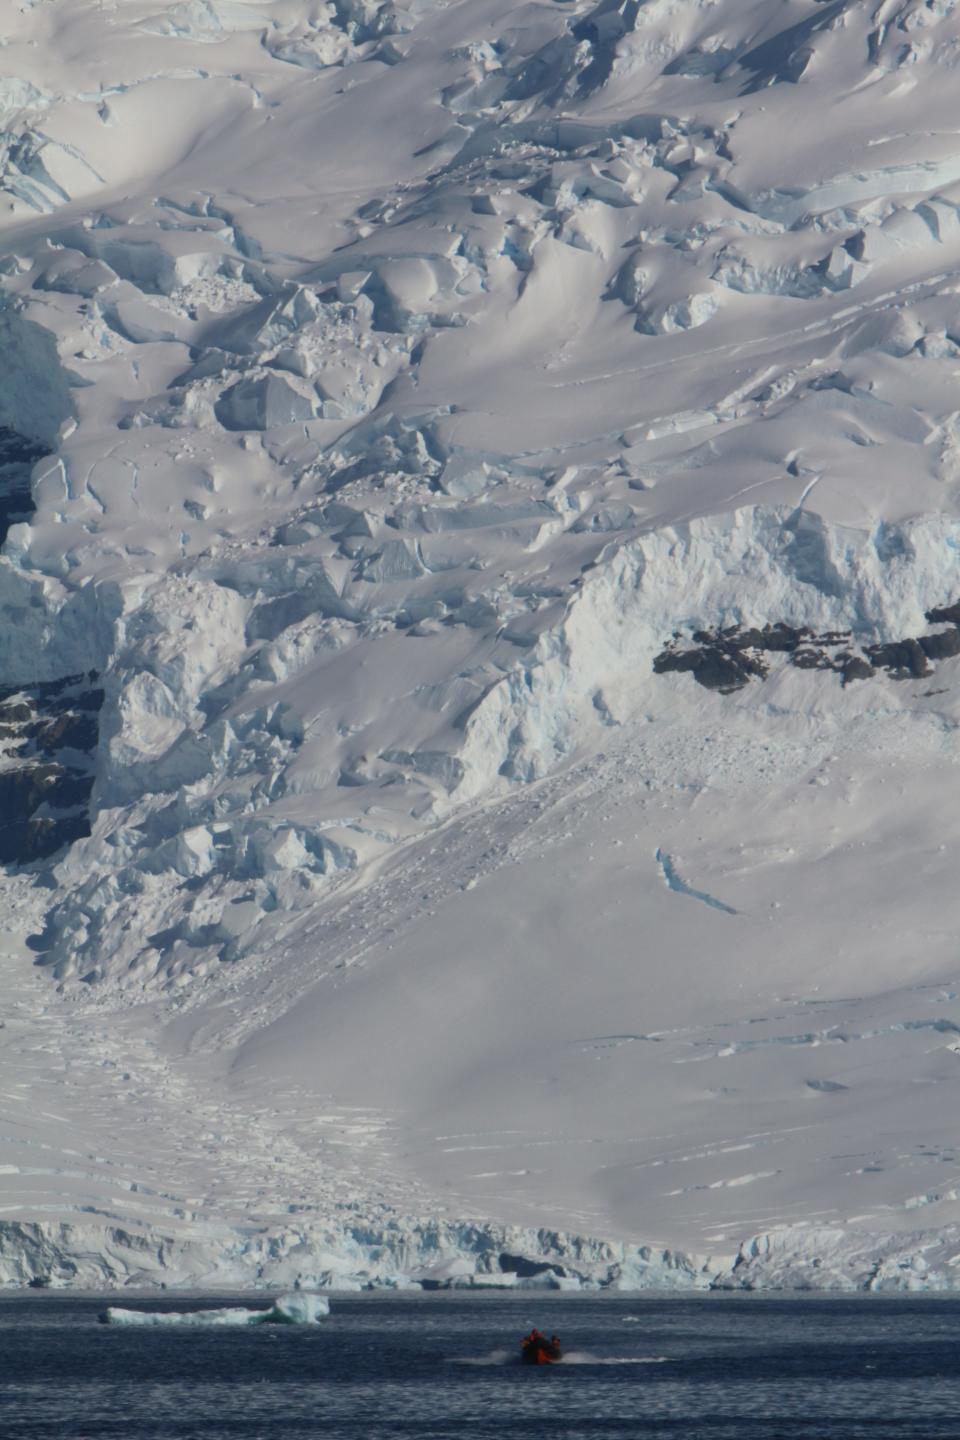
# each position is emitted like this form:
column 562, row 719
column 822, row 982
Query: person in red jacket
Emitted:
column 536, row 1349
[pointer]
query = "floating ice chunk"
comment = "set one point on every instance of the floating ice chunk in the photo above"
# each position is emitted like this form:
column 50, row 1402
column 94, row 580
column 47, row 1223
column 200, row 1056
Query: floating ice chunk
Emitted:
column 114, row 1315
column 296, row 1309
column 300, row 1308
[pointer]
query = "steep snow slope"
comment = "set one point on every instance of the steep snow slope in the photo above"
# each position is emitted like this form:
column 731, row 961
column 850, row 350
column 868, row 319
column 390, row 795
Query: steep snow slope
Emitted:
column 481, row 637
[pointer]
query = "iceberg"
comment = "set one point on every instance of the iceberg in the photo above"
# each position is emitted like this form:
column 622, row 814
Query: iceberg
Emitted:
column 294, row 1309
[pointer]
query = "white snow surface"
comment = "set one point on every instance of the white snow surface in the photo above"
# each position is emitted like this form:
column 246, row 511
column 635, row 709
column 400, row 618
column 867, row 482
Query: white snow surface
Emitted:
column 412, row 372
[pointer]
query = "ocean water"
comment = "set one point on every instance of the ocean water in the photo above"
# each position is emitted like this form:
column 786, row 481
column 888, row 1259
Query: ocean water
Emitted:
column 445, row 1366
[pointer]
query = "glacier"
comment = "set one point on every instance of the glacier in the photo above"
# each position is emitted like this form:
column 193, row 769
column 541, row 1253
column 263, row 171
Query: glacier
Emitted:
column 480, row 518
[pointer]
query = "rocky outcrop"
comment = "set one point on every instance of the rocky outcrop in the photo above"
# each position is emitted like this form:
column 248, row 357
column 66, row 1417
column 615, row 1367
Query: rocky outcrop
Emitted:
column 48, row 738
column 728, row 659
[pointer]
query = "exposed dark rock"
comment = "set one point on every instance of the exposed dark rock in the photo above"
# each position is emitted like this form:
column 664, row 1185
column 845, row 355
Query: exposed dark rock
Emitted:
column 945, row 614
column 718, row 667
column 676, row 660
column 903, row 658
column 942, row 645
column 48, row 735
column 18, row 455
column 726, row 659
column 854, row 667
column 24, row 841
column 15, row 712
column 727, row 670
column 807, row 659
column 778, row 637
column 70, row 731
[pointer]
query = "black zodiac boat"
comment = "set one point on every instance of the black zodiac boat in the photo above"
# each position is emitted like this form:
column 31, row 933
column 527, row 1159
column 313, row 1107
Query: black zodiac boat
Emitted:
column 536, row 1349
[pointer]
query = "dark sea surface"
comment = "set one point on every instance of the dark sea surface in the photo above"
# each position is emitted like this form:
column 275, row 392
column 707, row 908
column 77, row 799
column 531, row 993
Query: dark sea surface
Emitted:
column 384, row 1367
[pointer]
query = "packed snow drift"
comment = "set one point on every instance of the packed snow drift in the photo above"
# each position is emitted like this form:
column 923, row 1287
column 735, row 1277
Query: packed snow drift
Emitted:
column 480, row 516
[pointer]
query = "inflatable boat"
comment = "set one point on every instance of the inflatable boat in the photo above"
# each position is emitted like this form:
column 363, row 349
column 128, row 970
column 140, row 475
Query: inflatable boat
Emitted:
column 536, row 1349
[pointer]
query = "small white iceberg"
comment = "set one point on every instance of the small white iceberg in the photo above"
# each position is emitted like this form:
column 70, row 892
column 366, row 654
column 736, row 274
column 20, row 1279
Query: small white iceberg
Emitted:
column 296, row 1309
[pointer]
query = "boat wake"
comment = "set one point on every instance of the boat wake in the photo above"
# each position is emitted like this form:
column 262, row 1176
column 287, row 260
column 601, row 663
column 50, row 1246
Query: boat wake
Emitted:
column 494, row 1357
column 573, row 1357
column 584, row 1357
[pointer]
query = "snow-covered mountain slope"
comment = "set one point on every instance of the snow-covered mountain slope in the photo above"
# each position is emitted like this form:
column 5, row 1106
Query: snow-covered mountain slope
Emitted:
column 478, row 689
